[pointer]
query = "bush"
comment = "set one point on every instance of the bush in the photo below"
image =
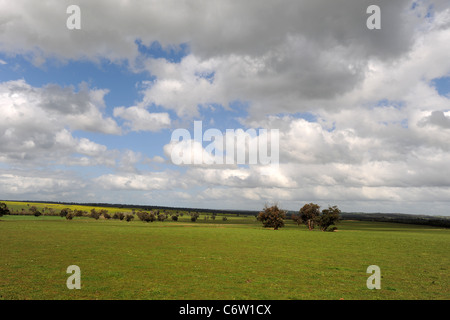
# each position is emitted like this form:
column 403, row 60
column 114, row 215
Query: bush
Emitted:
column 69, row 215
column 145, row 216
column 78, row 213
column 119, row 215
column 224, row 219
column 151, row 217
column 95, row 214
column 106, row 216
column 175, row 218
column 194, row 216
column 129, row 217
column 64, row 212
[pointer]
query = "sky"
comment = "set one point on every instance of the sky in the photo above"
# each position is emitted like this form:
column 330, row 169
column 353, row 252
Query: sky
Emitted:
column 363, row 115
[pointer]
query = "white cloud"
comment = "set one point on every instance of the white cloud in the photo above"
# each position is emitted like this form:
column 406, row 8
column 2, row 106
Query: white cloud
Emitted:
column 380, row 133
column 35, row 122
column 140, row 182
column 139, row 119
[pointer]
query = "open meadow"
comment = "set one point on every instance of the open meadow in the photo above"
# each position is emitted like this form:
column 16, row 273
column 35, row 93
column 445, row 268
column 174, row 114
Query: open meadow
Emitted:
column 217, row 259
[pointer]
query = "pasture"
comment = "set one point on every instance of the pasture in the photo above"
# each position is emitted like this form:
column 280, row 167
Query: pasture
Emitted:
column 216, row 259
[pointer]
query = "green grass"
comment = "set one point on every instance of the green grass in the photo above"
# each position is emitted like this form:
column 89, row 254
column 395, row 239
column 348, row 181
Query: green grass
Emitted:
column 236, row 259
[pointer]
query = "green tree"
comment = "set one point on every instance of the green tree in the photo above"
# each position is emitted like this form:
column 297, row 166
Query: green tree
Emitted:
column 309, row 213
column 64, row 212
column 95, row 214
column 194, row 216
column 272, row 217
column 4, row 209
column 328, row 217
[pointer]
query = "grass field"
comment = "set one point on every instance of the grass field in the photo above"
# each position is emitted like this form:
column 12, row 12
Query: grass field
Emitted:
column 234, row 259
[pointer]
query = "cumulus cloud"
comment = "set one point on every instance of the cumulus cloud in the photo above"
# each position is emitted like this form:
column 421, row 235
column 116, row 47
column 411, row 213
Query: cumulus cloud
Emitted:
column 139, row 119
column 140, row 182
column 35, row 123
column 360, row 121
column 437, row 118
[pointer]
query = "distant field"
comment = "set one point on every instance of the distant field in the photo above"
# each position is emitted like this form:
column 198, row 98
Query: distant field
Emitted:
column 233, row 259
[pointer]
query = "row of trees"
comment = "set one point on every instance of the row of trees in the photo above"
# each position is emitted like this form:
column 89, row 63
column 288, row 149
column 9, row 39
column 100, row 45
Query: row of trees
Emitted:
column 69, row 214
column 271, row 217
column 309, row 215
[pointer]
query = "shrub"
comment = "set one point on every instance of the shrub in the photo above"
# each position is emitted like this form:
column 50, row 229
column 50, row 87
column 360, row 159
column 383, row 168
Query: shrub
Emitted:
column 119, row 215
column 4, row 209
column 150, row 217
column 141, row 215
column 69, row 215
column 78, row 213
column 34, row 211
column 129, row 217
column 95, row 214
column 194, row 216
column 175, row 218
column 145, row 216
column 224, row 219
column 106, row 216
column 64, row 212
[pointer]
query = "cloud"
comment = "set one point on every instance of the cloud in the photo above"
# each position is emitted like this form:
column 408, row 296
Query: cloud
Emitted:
column 139, row 119
column 360, row 122
column 35, row 123
column 27, row 185
column 140, row 182
column 437, row 118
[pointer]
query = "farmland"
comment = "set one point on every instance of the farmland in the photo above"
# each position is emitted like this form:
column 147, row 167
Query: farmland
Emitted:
column 217, row 259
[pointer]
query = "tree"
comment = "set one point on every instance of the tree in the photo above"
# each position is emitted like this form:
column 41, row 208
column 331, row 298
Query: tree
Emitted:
column 78, row 213
column 145, row 216
column 118, row 215
column 162, row 217
column 194, row 216
column 4, row 209
column 70, row 215
column 297, row 219
column 95, row 214
column 272, row 217
column 64, row 212
column 309, row 213
column 328, row 217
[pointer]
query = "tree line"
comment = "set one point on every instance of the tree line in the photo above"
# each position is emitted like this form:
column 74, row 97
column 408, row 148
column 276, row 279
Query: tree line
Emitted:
column 309, row 215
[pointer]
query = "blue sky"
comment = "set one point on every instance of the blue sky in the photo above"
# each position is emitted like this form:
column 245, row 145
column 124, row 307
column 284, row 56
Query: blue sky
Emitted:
column 363, row 116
